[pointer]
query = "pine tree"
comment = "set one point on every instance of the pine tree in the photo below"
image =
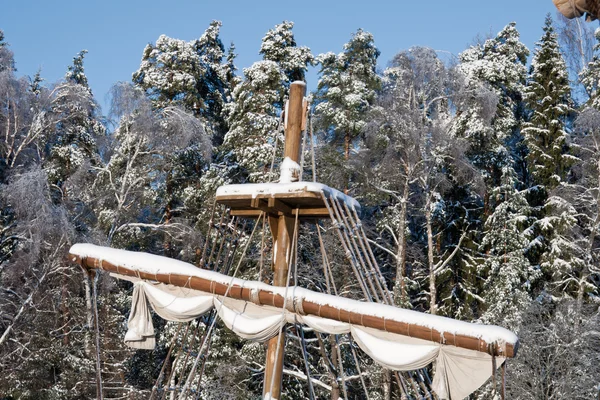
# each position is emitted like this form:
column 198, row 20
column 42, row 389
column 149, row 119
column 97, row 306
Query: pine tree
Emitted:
column 279, row 45
column 548, row 98
column 346, row 91
column 253, row 120
column 498, row 64
column 213, row 87
column 192, row 75
column 169, row 72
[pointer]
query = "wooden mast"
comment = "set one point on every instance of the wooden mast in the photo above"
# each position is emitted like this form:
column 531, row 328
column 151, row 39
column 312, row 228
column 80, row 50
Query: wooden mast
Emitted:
column 282, row 229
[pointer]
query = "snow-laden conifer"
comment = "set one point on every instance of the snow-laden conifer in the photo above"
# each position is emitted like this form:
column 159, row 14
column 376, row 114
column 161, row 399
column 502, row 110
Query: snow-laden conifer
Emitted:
column 498, row 64
column 548, row 98
column 253, row 120
column 345, row 93
column 73, row 125
column 193, row 75
column 279, row 45
column 507, row 273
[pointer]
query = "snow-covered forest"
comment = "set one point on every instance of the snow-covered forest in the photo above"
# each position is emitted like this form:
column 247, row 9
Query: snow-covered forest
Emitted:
column 478, row 177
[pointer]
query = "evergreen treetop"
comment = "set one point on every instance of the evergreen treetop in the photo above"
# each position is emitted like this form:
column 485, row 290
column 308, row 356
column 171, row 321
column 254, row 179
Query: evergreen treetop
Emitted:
column 347, row 87
column 76, row 73
column 548, row 97
column 279, row 45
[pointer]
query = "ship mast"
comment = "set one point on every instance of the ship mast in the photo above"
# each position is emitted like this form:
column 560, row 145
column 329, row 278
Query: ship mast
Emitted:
column 282, row 228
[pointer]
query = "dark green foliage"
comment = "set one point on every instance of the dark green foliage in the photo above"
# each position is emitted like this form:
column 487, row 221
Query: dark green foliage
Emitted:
column 548, row 98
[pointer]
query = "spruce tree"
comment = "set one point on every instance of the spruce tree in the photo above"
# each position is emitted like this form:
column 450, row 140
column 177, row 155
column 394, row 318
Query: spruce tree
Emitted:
column 213, row 86
column 548, row 98
column 75, row 72
column 75, row 126
column 169, row 73
column 7, row 61
column 507, row 272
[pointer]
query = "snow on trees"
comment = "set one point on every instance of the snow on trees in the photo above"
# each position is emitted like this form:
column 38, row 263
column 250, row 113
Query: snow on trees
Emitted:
column 253, row 120
column 279, row 45
column 414, row 144
column 190, row 74
column 499, row 64
column 345, row 93
column 548, row 98
column 507, row 272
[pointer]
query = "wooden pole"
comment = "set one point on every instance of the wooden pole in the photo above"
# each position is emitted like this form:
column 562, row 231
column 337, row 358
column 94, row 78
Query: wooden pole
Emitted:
column 265, row 297
column 282, row 228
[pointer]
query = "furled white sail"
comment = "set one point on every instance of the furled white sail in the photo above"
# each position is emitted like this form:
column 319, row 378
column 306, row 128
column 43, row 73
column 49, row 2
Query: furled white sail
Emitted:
column 459, row 371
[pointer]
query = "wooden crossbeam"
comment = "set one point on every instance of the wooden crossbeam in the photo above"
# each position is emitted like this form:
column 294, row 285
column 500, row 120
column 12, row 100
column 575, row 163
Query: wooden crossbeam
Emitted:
column 270, row 298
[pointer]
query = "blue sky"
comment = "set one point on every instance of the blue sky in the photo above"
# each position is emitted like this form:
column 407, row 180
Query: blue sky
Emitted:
column 47, row 34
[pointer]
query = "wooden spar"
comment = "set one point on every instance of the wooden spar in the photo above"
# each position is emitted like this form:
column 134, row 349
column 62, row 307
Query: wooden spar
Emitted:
column 269, row 298
column 282, row 229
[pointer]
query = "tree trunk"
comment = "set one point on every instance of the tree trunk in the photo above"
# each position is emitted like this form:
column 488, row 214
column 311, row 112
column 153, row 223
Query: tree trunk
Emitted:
column 400, row 285
column 432, row 287
column 89, row 314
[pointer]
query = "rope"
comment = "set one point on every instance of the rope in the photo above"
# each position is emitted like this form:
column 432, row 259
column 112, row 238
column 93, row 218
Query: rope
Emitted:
column 346, row 249
column 349, row 253
column 302, row 154
column 372, row 256
column 326, row 265
column 162, row 369
column 170, row 377
column 341, row 368
column 262, row 251
column 503, row 393
column 236, row 242
column 211, row 222
column 362, row 380
column 366, row 250
column 99, row 389
column 214, row 243
column 312, row 147
column 311, row 390
column 351, row 242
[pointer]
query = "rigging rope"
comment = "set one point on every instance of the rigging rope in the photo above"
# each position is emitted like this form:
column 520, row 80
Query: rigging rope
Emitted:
column 212, row 324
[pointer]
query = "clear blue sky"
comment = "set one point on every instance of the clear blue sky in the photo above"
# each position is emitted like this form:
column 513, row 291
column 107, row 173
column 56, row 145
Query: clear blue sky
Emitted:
column 47, row 34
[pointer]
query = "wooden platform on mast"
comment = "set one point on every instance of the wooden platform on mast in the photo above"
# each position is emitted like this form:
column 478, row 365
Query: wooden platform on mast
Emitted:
column 250, row 200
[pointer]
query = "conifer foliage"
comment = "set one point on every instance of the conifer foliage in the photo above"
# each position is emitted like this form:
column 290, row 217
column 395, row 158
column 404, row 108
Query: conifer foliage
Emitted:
column 347, row 89
column 548, row 98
